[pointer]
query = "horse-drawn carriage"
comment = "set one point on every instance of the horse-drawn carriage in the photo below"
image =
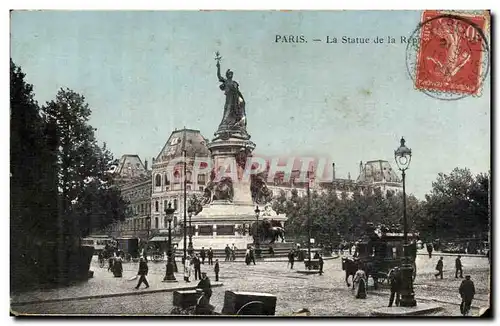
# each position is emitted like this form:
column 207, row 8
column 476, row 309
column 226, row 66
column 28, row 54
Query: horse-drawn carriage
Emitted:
column 312, row 263
column 379, row 251
column 128, row 248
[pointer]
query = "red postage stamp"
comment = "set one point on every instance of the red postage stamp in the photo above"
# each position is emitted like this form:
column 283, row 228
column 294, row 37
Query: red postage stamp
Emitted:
column 452, row 56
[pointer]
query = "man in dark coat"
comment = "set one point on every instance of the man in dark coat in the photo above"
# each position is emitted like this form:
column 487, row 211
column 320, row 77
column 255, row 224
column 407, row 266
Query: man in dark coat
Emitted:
column 320, row 257
column 291, row 258
column 203, row 255
column 210, row 254
column 467, row 292
column 395, row 282
column 252, row 255
column 143, row 271
column 429, row 249
column 458, row 267
column 197, row 267
column 439, row 268
column 205, row 285
column 216, row 270
column 227, row 250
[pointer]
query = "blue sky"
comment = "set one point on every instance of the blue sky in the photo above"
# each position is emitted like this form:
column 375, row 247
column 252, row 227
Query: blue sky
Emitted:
column 146, row 73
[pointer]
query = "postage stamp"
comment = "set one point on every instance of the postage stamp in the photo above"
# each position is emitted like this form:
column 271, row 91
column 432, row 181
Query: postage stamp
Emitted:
column 451, row 58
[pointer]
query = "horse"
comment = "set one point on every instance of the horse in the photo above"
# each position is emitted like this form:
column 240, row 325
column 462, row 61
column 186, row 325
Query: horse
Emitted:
column 350, row 267
column 277, row 232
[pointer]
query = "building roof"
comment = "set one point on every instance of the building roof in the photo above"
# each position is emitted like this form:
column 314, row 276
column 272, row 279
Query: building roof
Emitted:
column 185, row 139
column 130, row 166
column 377, row 171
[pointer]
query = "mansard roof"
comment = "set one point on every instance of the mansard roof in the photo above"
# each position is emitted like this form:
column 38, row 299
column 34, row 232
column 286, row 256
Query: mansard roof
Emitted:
column 185, row 139
column 130, row 166
column 377, row 171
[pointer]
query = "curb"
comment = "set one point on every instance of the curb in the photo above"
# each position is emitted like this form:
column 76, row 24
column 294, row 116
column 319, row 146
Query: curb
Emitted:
column 415, row 312
column 101, row 296
column 438, row 254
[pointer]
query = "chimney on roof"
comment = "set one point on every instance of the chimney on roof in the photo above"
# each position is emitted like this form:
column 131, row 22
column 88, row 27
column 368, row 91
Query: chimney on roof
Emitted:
column 349, row 175
column 360, row 166
column 333, row 171
column 146, row 165
column 153, row 160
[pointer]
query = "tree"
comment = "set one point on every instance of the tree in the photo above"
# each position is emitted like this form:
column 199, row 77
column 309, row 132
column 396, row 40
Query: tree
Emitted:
column 458, row 205
column 88, row 199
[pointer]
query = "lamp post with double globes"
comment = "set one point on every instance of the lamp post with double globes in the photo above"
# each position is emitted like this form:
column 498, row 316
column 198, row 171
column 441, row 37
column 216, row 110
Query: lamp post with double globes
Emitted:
column 402, row 156
column 169, row 276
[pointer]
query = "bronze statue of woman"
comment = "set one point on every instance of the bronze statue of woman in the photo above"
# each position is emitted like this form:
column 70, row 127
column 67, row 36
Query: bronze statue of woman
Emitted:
column 234, row 108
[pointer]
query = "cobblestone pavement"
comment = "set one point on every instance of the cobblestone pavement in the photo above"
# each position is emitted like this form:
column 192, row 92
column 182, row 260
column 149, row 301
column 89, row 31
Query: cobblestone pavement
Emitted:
column 325, row 295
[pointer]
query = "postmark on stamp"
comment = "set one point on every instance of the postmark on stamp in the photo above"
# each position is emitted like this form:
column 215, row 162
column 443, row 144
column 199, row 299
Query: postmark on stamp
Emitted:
column 451, row 58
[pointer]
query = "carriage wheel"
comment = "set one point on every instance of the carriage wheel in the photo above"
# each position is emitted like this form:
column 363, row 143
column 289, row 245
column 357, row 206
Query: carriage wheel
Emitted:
column 251, row 308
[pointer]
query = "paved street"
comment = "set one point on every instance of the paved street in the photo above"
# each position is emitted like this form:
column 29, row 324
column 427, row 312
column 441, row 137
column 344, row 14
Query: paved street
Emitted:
column 323, row 295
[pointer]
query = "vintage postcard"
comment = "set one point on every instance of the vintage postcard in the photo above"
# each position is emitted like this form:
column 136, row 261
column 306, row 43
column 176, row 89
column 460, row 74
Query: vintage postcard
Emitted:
column 238, row 163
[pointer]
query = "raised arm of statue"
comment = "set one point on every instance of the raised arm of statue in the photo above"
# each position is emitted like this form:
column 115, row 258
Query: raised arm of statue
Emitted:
column 221, row 79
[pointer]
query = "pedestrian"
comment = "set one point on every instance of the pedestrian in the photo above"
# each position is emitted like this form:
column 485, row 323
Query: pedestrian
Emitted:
column 320, row 257
column 395, row 282
column 216, row 270
column 143, row 272
column 205, row 285
column 252, row 255
column 111, row 260
column 117, row 267
column 210, row 254
column 439, row 268
column 429, row 249
column 203, row 255
column 350, row 248
column 187, row 269
column 359, row 283
column 458, row 267
column 233, row 252
column 227, row 250
column 197, row 267
column 291, row 258
column 247, row 256
column 467, row 292
column 271, row 251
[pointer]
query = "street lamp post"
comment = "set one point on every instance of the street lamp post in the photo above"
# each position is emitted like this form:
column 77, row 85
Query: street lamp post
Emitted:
column 169, row 276
column 190, row 244
column 402, row 156
column 309, row 220
column 257, row 241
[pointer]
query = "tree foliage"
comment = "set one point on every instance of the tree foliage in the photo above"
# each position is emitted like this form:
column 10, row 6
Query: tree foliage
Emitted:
column 88, row 199
column 458, row 205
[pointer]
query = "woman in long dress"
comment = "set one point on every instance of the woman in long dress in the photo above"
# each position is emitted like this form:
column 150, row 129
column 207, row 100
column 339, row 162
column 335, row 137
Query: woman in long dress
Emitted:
column 187, row 269
column 359, row 284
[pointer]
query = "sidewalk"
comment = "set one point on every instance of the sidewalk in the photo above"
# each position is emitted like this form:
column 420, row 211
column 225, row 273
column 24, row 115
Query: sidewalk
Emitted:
column 104, row 285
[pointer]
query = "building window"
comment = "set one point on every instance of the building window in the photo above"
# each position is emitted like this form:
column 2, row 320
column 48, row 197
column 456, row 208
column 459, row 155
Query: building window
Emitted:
column 188, row 177
column 200, row 188
column 165, row 204
column 201, row 179
column 142, row 208
column 177, row 177
column 205, row 230
column 175, row 204
column 225, row 229
column 156, row 206
column 158, row 180
column 156, row 223
column 167, row 182
column 188, row 187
